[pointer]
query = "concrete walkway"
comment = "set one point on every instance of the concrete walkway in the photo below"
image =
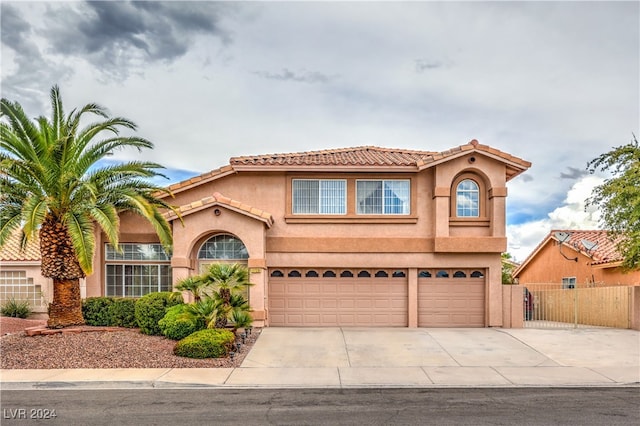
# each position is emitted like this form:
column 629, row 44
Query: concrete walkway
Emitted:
column 388, row 357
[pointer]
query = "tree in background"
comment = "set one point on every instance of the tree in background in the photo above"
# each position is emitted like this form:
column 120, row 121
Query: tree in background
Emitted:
column 53, row 188
column 618, row 198
column 508, row 266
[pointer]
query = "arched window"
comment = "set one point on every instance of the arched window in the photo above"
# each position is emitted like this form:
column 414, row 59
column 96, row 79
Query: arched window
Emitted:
column 442, row 274
column 346, row 274
column 459, row 274
column 382, row 274
column 424, row 274
column 399, row 274
column 223, row 247
column 467, row 199
column 294, row 274
column 477, row 274
column 311, row 274
column 328, row 274
column 277, row 273
column 364, row 274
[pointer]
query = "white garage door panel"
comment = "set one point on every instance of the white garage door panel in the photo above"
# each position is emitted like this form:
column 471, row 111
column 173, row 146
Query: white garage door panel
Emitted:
column 300, row 301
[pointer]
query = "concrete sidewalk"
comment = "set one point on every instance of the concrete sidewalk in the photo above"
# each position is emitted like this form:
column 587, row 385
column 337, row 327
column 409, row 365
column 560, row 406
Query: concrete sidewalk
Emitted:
column 387, row 357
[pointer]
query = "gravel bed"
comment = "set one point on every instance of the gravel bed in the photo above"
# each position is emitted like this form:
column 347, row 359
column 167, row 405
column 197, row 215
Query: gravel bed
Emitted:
column 126, row 348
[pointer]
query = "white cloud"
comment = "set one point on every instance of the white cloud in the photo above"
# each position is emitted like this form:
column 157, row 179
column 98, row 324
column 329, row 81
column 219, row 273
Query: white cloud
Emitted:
column 572, row 214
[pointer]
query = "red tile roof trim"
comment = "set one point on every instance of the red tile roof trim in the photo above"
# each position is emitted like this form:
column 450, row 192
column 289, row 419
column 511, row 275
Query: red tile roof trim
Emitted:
column 226, row 202
column 11, row 250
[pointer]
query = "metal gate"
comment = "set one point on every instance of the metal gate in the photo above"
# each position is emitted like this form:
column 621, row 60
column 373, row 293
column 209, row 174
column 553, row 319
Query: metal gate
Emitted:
column 548, row 306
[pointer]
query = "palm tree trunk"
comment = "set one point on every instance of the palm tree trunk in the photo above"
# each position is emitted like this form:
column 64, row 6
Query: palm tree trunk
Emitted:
column 66, row 308
column 59, row 262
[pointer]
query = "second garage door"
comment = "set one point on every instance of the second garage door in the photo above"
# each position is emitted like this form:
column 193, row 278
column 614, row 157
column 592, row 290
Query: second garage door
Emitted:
column 337, row 297
column 451, row 298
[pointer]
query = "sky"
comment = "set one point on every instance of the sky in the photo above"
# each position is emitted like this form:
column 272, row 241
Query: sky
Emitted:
column 554, row 83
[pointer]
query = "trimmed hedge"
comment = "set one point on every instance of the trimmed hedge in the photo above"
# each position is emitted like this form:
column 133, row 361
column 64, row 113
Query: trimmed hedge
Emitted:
column 208, row 343
column 178, row 323
column 152, row 307
column 109, row 311
column 95, row 310
column 122, row 312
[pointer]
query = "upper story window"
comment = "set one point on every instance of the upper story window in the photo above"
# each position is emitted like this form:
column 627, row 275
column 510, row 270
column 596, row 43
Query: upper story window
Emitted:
column 467, row 199
column 383, row 196
column 319, row 196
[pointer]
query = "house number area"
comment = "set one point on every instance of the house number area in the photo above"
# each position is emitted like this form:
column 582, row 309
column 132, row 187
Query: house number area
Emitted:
column 29, row 413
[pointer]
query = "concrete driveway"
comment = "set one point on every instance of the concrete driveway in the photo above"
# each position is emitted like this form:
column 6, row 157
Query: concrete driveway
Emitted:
column 484, row 356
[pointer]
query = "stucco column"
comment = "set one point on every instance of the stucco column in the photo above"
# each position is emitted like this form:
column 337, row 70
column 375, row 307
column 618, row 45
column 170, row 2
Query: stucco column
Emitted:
column 441, row 199
column 498, row 198
column 494, row 294
column 412, row 295
column 257, row 292
column 180, row 269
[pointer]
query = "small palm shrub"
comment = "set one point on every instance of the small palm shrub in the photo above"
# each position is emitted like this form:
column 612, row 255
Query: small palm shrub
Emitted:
column 152, row 307
column 122, row 312
column 15, row 309
column 95, row 310
column 241, row 319
column 208, row 343
column 178, row 323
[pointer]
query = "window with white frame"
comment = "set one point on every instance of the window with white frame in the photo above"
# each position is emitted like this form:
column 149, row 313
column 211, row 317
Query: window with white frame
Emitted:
column 383, row 197
column 319, row 196
column 468, row 199
column 569, row 282
column 136, row 270
column 15, row 285
column 223, row 247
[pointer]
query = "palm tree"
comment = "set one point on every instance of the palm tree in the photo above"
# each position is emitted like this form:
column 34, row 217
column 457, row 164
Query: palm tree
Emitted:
column 52, row 185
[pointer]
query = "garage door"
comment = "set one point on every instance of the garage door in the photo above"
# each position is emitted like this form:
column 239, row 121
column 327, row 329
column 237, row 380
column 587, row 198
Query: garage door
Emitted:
column 337, row 297
column 451, row 298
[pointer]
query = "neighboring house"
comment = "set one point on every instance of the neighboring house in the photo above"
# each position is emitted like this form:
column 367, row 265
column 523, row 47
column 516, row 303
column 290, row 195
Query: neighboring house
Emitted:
column 20, row 277
column 352, row 237
column 586, row 258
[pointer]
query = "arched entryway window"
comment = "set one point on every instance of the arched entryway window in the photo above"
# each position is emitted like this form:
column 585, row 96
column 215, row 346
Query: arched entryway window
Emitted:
column 222, row 248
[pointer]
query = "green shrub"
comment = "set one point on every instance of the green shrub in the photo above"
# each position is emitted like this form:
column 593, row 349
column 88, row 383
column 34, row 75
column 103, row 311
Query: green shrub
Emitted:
column 178, row 323
column 95, row 310
column 16, row 309
column 208, row 343
column 152, row 307
column 122, row 312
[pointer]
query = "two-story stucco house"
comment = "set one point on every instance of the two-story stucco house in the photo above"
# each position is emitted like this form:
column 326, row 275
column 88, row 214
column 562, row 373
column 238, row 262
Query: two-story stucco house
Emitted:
column 351, row 237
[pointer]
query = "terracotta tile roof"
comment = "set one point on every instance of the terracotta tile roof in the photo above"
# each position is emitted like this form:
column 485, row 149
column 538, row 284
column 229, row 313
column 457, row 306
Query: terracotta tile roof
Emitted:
column 219, row 199
column 196, row 180
column 371, row 156
column 474, row 145
column 604, row 252
column 357, row 156
column 11, row 251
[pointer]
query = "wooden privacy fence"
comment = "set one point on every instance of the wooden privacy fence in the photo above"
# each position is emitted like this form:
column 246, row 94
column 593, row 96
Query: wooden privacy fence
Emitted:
column 550, row 306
